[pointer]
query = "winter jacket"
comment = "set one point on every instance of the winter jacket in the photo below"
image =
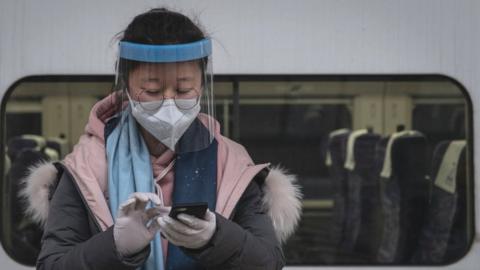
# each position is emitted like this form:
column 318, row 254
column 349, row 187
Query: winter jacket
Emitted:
column 247, row 241
column 253, row 216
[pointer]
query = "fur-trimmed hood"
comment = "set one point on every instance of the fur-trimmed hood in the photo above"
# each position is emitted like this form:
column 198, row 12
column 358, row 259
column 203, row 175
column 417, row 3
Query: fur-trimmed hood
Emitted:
column 282, row 197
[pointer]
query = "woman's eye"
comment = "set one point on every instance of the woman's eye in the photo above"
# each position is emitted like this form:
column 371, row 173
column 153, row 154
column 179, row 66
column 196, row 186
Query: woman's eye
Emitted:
column 151, row 91
column 184, row 90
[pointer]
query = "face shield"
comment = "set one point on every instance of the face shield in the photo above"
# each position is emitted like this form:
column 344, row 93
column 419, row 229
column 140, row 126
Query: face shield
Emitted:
column 169, row 90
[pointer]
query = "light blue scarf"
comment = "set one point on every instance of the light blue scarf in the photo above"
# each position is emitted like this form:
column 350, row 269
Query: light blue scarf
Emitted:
column 129, row 171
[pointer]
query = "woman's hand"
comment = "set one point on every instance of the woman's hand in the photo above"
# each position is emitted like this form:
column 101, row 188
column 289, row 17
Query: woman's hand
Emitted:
column 189, row 232
column 133, row 230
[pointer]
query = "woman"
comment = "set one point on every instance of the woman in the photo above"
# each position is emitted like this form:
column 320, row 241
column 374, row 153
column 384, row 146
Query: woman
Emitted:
column 151, row 144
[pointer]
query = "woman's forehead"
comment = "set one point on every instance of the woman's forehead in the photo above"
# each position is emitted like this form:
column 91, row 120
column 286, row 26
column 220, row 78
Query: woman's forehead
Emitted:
column 190, row 67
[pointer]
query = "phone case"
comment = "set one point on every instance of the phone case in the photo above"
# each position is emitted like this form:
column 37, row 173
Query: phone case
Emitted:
column 197, row 209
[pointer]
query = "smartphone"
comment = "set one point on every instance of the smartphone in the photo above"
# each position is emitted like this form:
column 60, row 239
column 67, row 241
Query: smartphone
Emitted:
column 196, row 209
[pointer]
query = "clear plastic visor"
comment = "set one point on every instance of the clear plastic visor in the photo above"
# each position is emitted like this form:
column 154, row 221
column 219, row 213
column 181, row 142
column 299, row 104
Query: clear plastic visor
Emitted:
column 171, row 100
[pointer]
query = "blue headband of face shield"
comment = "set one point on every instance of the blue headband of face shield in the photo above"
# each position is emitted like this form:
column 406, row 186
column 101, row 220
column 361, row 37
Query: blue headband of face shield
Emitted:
column 165, row 53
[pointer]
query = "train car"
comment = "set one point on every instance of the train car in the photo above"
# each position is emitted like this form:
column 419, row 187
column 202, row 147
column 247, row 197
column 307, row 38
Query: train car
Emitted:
column 371, row 104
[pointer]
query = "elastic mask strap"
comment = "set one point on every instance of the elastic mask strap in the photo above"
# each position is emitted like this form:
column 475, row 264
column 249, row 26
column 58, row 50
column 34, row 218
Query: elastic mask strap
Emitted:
column 165, row 171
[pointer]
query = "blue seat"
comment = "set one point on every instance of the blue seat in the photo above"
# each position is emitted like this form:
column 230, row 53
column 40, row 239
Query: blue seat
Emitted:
column 444, row 236
column 362, row 197
column 404, row 190
column 336, row 151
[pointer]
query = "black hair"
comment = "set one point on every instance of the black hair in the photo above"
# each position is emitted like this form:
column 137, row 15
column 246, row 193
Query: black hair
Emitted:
column 162, row 26
column 158, row 26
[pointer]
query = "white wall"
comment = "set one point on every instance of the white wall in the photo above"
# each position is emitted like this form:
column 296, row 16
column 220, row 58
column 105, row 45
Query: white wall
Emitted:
column 269, row 36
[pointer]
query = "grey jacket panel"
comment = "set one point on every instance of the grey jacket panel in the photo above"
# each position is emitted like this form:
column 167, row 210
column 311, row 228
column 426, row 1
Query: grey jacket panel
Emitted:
column 72, row 239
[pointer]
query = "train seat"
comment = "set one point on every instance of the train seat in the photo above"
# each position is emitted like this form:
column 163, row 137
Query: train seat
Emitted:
column 362, row 192
column 443, row 237
column 335, row 161
column 403, row 195
column 59, row 144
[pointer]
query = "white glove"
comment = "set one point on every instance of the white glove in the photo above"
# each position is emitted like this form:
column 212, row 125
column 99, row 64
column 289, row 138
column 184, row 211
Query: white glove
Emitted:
column 132, row 231
column 191, row 232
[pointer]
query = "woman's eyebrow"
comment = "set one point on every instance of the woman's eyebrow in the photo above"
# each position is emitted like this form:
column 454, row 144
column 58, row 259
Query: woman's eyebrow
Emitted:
column 184, row 79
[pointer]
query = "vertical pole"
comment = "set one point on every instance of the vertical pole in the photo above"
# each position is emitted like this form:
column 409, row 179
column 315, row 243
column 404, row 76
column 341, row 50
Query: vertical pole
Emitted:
column 236, row 111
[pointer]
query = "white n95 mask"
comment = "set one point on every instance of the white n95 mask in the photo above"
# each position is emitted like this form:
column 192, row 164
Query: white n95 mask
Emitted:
column 167, row 123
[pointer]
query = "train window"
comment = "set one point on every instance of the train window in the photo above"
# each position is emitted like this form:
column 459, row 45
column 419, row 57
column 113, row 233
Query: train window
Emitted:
column 223, row 106
column 372, row 156
column 384, row 162
column 42, row 119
